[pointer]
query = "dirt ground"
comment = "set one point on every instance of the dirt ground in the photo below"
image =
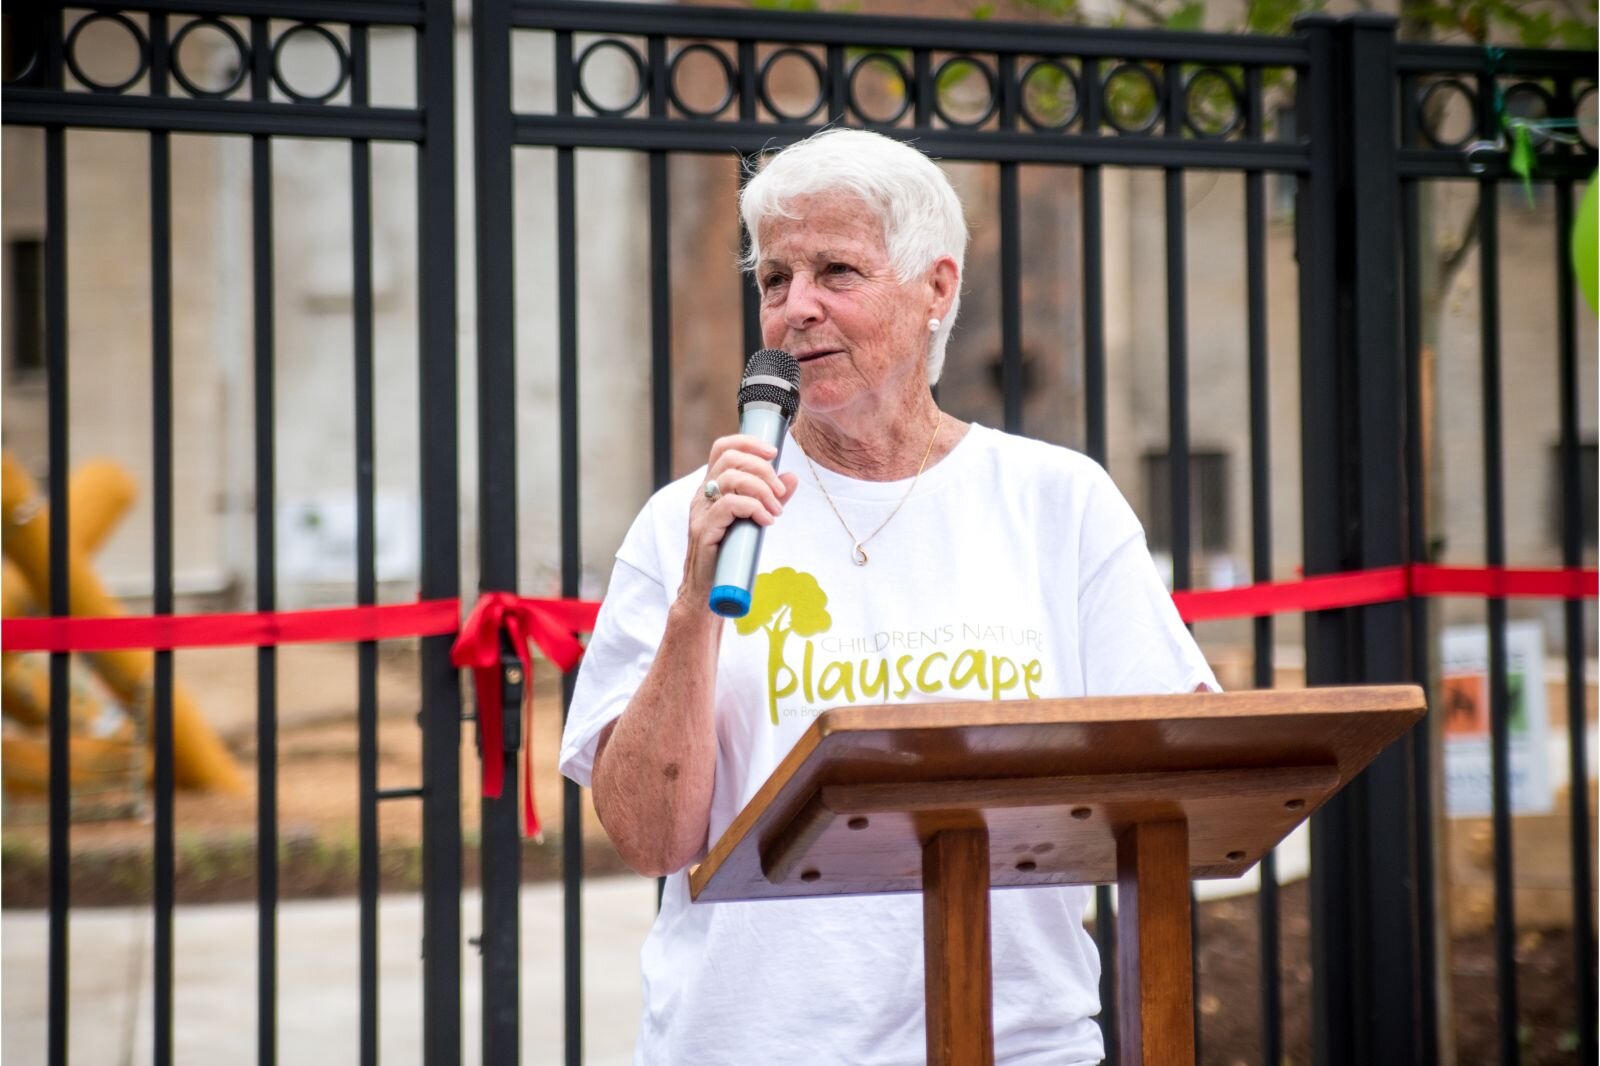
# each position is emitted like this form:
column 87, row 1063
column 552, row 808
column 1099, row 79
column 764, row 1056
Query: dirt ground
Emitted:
column 1230, row 981
column 317, row 790
column 317, row 817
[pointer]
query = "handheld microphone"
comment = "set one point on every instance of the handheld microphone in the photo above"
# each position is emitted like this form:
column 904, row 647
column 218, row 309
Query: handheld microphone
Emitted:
column 769, row 395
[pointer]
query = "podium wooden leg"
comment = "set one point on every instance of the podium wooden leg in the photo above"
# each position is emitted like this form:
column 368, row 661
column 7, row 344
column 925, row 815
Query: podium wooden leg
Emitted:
column 1154, row 955
column 955, row 948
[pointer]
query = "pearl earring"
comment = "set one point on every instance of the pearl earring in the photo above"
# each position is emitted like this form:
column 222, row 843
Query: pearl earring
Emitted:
column 933, row 325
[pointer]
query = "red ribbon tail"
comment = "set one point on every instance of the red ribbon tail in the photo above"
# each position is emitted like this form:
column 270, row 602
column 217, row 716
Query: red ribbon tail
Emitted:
column 531, row 829
column 530, row 816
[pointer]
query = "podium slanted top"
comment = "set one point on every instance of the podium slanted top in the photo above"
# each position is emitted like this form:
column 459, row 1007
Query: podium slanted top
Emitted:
column 1054, row 781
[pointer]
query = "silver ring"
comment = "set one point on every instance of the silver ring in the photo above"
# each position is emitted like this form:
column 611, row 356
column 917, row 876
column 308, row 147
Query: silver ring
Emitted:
column 712, row 490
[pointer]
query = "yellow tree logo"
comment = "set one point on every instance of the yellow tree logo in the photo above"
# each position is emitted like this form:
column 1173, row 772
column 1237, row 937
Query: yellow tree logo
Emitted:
column 784, row 601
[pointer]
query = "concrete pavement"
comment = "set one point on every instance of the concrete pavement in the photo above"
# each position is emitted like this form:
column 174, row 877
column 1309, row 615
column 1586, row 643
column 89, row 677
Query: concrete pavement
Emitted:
column 215, row 980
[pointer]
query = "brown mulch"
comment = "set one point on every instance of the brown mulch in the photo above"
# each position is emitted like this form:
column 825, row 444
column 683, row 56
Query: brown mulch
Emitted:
column 1230, row 1025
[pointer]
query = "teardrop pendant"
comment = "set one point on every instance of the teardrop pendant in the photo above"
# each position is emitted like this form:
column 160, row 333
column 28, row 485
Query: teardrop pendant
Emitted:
column 858, row 555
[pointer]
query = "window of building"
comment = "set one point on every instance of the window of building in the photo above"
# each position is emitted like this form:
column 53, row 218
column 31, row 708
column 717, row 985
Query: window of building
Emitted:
column 1208, row 501
column 25, row 304
column 1588, row 497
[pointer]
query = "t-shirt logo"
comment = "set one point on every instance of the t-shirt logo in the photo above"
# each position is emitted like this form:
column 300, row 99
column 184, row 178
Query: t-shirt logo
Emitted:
column 973, row 657
column 784, row 601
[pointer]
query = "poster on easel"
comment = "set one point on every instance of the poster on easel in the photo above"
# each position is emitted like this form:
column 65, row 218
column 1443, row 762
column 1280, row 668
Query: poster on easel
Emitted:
column 1464, row 702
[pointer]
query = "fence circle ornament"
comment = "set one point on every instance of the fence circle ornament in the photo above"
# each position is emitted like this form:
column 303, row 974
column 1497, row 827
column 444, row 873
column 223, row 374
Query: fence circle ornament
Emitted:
column 141, row 46
column 341, row 55
column 1032, row 85
column 764, row 76
column 1541, row 104
column 24, row 34
column 1121, row 105
column 1196, row 111
column 640, row 69
column 181, row 76
column 907, row 87
column 990, row 81
column 730, row 80
column 1585, row 123
column 1435, row 96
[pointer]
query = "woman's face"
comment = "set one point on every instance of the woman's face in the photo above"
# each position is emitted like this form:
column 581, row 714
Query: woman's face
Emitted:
column 830, row 297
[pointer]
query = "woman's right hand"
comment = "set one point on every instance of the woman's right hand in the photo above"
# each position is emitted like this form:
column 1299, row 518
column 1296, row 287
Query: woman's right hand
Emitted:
column 750, row 488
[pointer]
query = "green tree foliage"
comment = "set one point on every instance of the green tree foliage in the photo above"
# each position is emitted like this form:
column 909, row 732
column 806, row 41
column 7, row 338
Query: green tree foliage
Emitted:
column 1531, row 23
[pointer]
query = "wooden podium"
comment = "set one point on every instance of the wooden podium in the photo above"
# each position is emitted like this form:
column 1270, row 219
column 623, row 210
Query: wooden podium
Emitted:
column 952, row 798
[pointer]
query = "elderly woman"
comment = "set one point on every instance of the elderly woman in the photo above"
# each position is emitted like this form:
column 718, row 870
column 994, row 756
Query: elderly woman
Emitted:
column 908, row 557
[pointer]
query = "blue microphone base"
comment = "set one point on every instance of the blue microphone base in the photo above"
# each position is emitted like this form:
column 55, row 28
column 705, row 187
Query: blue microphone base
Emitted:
column 730, row 601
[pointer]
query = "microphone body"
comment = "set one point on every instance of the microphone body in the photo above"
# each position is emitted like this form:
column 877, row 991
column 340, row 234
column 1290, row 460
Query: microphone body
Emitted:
column 740, row 551
column 769, row 396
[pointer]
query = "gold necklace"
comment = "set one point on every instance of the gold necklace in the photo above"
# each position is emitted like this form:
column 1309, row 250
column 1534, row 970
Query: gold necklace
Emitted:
column 858, row 553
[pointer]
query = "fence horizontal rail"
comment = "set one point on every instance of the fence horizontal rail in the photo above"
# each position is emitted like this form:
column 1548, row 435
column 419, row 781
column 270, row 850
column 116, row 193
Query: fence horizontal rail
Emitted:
column 1437, row 163
column 647, row 134
column 52, row 107
column 371, row 12
column 1021, row 38
column 1467, row 59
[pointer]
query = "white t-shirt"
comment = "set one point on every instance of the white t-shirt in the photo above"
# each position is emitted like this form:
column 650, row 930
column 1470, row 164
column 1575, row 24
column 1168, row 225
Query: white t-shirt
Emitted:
column 1015, row 570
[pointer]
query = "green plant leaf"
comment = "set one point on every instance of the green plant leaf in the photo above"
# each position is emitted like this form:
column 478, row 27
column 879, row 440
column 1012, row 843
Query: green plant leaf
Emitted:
column 1191, row 16
column 1521, row 161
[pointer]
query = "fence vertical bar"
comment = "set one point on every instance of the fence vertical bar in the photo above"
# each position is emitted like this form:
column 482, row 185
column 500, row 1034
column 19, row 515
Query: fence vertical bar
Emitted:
column 163, row 860
column 1583, row 939
column 56, row 384
column 1417, row 610
column 1094, row 400
column 1333, row 947
column 1260, row 402
column 1010, row 298
column 1505, row 925
column 1011, row 368
column 1094, row 319
column 1173, row 104
column 1373, row 345
column 660, row 283
column 441, row 682
column 1177, row 385
column 266, row 568
column 501, row 844
column 749, row 292
column 571, row 561
column 749, row 289
column 366, row 570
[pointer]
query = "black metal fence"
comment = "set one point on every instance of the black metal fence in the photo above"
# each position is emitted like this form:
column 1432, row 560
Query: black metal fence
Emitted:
column 52, row 86
column 1363, row 143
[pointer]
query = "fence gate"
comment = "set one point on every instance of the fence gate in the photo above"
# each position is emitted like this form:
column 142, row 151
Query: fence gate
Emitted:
column 223, row 69
column 1337, row 116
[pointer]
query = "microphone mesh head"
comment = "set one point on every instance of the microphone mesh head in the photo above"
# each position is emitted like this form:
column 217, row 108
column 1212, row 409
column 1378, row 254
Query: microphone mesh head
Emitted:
column 771, row 363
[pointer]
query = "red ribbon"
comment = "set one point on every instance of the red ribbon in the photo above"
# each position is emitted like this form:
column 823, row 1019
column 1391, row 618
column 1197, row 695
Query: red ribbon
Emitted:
column 425, row 618
column 552, row 625
column 1361, row 588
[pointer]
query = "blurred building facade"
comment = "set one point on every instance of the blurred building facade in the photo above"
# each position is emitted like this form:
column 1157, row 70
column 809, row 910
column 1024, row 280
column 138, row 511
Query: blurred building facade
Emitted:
column 108, row 302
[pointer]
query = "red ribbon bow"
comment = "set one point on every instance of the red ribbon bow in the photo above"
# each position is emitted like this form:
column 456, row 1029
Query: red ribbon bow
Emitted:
column 552, row 625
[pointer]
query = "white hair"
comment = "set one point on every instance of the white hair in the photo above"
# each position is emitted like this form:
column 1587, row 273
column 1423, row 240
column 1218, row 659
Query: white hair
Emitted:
column 914, row 201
